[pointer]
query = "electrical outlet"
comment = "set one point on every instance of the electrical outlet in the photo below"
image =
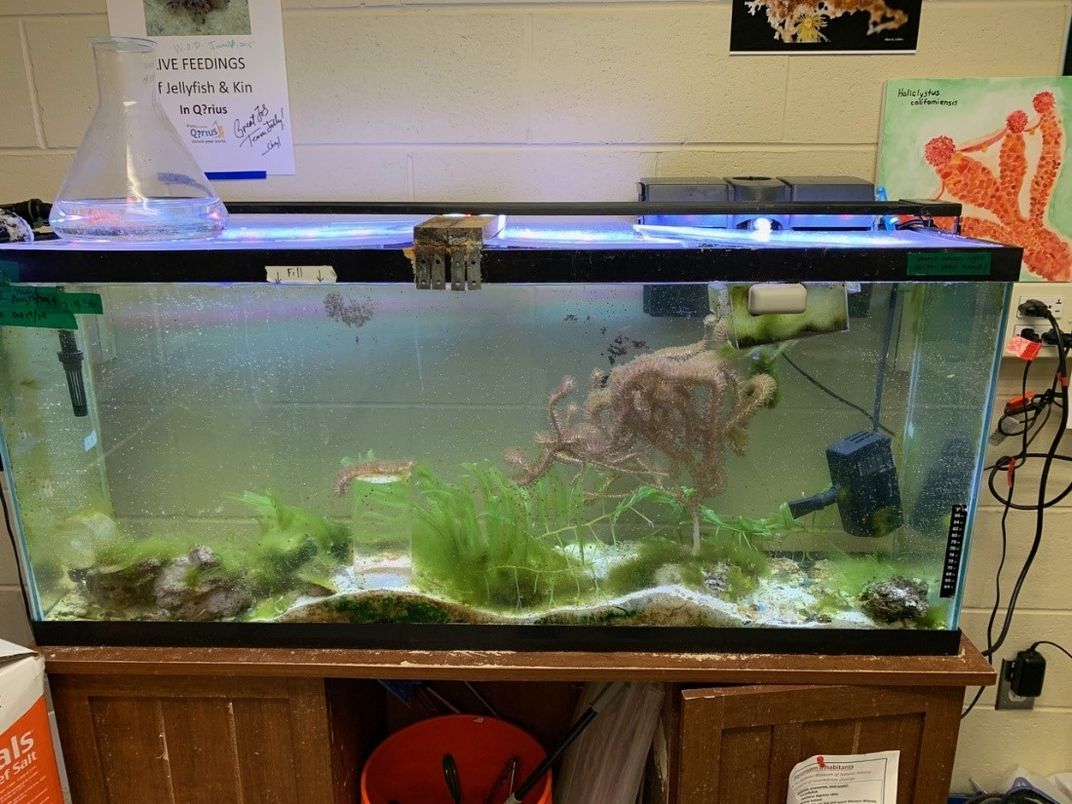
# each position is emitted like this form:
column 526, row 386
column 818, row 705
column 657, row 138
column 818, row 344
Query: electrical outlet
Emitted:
column 1006, row 698
column 1017, row 329
column 1055, row 295
column 1055, row 303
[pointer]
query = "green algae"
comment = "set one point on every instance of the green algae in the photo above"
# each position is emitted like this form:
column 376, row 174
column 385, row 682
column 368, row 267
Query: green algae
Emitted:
column 733, row 567
column 487, row 541
column 387, row 608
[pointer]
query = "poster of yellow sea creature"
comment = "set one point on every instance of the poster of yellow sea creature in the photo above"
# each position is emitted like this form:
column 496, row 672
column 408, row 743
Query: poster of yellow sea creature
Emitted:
column 825, row 26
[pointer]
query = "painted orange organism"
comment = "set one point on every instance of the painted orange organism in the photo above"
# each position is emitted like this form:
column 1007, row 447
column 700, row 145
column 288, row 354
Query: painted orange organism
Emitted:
column 972, row 183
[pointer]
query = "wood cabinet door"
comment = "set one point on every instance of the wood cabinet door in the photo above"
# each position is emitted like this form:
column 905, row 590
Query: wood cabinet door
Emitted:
column 192, row 740
column 739, row 744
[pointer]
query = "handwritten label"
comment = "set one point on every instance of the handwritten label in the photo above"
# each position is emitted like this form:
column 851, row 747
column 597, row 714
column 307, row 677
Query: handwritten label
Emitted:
column 954, row 262
column 28, row 306
column 300, row 274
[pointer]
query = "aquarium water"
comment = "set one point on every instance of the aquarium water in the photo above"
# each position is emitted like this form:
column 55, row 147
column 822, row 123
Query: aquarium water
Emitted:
column 138, row 219
column 523, row 454
column 133, row 177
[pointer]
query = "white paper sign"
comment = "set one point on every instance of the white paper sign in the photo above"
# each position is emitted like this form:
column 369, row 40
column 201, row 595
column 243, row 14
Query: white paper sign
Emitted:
column 222, row 78
column 845, row 779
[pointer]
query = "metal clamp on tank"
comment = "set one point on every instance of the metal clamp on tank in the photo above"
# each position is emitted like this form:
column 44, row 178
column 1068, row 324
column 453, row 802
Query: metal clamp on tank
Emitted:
column 454, row 242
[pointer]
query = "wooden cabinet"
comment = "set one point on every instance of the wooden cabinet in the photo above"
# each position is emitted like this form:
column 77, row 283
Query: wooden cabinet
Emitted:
column 740, row 744
column 221, row 725
column 213, row 739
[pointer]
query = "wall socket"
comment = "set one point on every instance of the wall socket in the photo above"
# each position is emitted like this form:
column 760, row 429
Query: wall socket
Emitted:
column 1055, row 295
column 1006, row 698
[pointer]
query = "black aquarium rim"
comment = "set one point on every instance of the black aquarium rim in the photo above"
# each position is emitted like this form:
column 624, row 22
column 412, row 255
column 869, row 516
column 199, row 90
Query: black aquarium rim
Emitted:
column 519, row 638
column 384, row 265
column 914, row 208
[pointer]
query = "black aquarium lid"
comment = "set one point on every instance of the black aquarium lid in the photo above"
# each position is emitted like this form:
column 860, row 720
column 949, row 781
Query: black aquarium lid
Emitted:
column 596, row 639
column 919, row 209
column 544, row 243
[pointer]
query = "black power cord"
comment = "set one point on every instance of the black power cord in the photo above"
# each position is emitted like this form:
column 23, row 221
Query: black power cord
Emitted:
column 1026, row 443
column 34, row 211
column 1061, row 648
column 1037, row 309
column 880, row 373
column 831, row 393
column 1036, row 415
column 989, row 652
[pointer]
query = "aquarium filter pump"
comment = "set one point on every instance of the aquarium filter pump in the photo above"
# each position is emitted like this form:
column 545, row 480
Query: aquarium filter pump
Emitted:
column 71, row 358
column 864, row 486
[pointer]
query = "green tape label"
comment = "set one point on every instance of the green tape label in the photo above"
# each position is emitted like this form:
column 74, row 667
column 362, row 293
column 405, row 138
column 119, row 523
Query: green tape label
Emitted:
column 948, row 263
column 36, row 318
column 25, row 306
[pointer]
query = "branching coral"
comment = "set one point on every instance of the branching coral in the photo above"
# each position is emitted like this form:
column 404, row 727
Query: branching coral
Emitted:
column 803, row 20
column 665, row 419
column 972, row 182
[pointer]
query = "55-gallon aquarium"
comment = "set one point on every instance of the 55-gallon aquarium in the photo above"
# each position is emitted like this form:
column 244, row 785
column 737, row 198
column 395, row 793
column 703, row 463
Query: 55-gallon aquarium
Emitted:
column 526, row 427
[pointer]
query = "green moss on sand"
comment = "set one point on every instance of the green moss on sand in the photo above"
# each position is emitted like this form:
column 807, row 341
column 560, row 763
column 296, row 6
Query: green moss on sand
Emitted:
column 660, row 560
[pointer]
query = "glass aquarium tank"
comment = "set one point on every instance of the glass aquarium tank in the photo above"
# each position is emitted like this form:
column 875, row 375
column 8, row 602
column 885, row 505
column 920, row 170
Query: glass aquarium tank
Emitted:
column 528, row 427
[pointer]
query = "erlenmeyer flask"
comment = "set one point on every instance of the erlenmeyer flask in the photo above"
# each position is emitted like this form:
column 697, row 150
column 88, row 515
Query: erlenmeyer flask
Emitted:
column 133, row 178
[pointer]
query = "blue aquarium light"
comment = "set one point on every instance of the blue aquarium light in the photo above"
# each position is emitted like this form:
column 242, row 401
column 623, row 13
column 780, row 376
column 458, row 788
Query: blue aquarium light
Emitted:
column 765, row 236
column 299, row 231
column 614, row 233
column 315, row 228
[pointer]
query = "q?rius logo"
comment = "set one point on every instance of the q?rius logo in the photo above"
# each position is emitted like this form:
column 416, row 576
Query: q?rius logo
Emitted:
column 206, row 133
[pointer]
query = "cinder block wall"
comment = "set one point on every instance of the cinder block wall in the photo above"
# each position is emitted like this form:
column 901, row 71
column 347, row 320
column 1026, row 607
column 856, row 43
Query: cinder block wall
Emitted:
column 576, row 100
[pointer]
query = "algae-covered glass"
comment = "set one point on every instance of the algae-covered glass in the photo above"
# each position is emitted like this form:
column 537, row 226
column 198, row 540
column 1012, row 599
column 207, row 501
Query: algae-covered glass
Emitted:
column 607, row 434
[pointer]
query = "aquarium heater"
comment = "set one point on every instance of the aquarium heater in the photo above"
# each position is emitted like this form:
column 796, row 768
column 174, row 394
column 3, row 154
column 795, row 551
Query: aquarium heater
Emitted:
column 71, row 358
column 864, row 486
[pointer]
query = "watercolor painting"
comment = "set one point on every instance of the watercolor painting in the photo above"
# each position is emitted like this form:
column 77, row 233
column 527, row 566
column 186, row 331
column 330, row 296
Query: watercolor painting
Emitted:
column 996, row 146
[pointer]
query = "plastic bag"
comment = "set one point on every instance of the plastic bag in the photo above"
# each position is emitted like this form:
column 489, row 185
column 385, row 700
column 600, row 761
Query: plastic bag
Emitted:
column 605, row 765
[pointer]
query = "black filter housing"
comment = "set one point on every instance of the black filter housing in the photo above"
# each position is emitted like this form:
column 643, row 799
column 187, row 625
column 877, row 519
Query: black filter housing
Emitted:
column 865, row 477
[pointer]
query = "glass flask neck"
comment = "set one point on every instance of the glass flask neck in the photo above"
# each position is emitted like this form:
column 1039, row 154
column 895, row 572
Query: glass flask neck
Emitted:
column 126, row 71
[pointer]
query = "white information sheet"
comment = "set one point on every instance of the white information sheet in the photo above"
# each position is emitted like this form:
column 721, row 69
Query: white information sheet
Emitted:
column 222, row 78
column 845, row 779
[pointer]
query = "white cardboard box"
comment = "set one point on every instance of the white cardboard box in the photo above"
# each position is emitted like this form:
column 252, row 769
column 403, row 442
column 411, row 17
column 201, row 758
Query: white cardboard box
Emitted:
column 28, row 770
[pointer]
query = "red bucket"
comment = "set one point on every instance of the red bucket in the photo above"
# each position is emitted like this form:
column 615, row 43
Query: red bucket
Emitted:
column 407, row 767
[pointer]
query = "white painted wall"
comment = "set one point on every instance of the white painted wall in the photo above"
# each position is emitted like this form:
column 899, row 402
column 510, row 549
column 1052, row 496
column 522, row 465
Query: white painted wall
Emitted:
column 576, row 100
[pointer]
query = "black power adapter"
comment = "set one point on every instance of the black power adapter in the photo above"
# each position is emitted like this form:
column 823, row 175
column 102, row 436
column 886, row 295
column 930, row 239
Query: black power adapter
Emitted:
column 1026, row 673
